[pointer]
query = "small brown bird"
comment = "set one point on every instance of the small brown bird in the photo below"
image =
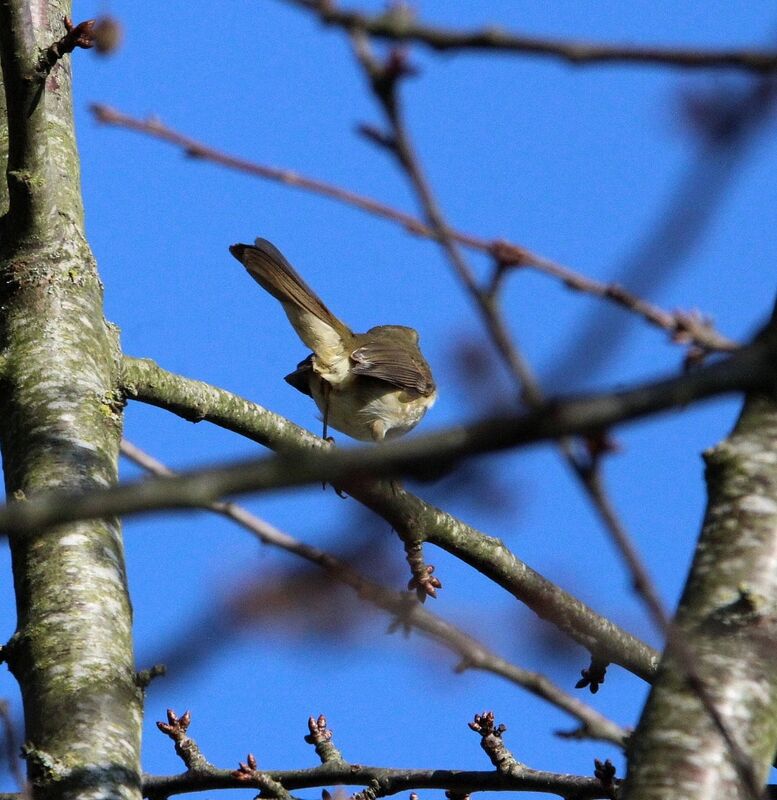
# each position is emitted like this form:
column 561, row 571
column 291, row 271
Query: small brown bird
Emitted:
column 372, row 386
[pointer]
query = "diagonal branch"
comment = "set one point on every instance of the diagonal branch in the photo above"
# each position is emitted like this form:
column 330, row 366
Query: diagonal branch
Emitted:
column 406, row 514
column 400, row 25
column 751, row 368
column 302, row 458
column 408, row 612
column 403, row 511
column 682, row 327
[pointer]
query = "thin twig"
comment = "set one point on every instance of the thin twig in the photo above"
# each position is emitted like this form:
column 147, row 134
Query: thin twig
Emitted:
column 399, row 24
column 384, row 79
column 408, row 612
column 682, row 327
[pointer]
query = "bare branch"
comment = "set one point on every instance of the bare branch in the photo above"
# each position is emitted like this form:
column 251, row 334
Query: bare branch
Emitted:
column 187, row 749
column 399, row 24
column 320, row 737
column 409, row 614
column 391, row 781
column 748, row 369
column 404, row 512
column 682, row 327
column 493, row 744
column 379, row 781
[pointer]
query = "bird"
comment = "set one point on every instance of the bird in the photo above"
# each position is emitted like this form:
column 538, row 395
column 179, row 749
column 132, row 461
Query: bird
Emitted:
column 371, row 386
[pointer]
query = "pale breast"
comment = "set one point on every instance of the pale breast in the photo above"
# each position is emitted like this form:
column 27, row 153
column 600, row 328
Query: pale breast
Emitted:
column 371, row 410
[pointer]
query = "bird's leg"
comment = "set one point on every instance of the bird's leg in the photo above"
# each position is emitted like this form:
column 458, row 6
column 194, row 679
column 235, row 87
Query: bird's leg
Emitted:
column 326, row 388
column 379, row 435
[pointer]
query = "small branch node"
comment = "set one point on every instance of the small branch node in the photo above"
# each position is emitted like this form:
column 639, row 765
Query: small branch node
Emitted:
column 268, row 787
column 463, row 665
column 508, row 255
column 597, row 445
column 423, row 581
column 187, row 749
column 320, row 737
column 81, row 35
column 593, row 676
column 144, row 677
column 379, row 137
column 370, row 792
column 492, row 743
column 605, row 772
column 246, row 771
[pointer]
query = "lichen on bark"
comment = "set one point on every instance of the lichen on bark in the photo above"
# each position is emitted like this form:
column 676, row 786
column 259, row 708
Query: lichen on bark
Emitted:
column 72, row 649
column 725, row 635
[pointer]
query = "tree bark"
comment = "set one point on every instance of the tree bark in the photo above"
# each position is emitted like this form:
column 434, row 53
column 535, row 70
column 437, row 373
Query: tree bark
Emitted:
column 709, row 729
column 60, row 428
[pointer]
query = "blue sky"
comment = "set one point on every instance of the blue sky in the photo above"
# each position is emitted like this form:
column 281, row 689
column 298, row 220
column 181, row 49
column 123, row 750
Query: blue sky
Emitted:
column 575, row 163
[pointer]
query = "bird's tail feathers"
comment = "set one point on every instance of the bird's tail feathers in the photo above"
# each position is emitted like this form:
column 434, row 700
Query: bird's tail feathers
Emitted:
column 315, row 324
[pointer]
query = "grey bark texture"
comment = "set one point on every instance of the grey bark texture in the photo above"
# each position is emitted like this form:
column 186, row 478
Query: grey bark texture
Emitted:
column 709, row 729
column 725, row 636
column 60, row 428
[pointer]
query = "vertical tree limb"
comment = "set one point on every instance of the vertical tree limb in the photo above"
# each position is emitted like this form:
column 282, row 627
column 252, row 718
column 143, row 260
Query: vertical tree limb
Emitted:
column 60, row 429
column 726, row 634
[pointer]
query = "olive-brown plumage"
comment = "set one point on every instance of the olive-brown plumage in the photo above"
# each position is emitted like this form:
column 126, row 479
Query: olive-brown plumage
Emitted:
column 372, row 385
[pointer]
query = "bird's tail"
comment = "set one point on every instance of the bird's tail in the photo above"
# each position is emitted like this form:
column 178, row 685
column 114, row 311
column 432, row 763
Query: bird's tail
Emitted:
column 315, row 324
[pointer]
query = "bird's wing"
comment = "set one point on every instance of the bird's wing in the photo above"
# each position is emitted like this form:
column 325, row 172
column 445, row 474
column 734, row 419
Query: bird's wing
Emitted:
column 399, row 363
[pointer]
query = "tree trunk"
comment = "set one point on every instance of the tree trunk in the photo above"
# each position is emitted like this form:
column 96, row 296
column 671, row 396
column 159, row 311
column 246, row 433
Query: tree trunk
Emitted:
column 60, row 428
column 709, row 729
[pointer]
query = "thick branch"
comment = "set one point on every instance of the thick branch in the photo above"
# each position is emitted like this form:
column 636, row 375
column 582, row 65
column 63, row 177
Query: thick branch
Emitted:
column 399, row 24
column 727, row 620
